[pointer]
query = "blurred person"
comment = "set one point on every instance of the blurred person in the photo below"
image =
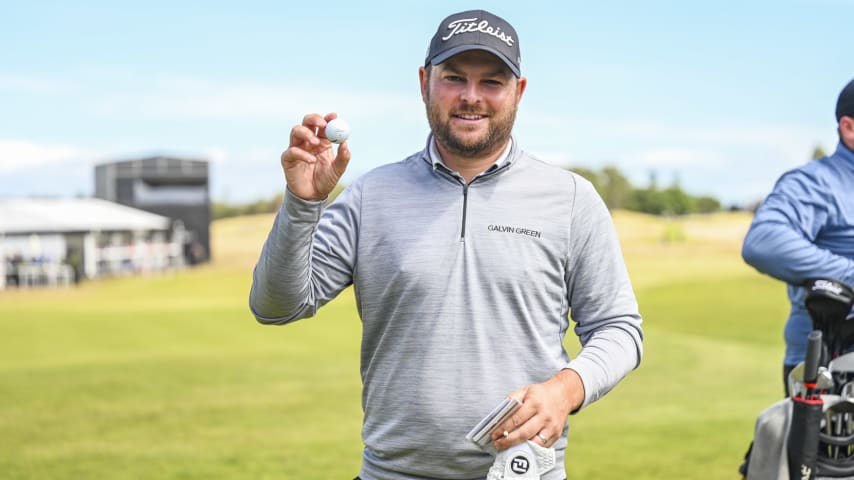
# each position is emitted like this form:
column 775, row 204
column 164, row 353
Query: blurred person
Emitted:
column 805, row 229
column 466, row 259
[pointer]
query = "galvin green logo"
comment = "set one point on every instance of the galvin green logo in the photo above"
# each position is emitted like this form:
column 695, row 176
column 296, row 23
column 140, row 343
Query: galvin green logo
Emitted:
column 515, row 230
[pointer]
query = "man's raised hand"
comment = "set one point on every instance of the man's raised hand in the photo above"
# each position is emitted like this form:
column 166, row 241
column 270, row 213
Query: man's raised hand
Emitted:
column 311, row 165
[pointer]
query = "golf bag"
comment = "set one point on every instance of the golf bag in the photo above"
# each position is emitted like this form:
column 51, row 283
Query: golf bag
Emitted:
column 810, row 435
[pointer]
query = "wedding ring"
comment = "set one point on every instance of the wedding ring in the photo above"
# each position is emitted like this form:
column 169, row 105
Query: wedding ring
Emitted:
column 541, row 437
column 506, row 434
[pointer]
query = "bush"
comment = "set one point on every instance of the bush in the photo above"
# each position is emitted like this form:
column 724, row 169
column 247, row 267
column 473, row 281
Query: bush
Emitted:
column 617, row 192
column 271, row 205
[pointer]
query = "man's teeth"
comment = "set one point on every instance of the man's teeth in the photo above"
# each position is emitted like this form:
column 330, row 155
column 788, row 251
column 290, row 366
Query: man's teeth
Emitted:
column 470, row 117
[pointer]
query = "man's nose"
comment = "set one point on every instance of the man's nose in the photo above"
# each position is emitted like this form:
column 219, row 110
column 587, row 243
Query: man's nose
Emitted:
column 471, row 93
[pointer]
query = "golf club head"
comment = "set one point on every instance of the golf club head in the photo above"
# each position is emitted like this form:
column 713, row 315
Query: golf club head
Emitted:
column 842, row 363
column 846, row 405
column 812, row 358
column 828, row 300
column 824, row 380
column 796, row 380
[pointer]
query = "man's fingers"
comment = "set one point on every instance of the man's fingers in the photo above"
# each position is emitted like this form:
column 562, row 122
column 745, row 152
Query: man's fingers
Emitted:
column 313, row 121
column 321, row 131
column 525, row 431
column 302, row 135
column 312, row 128
column 544, row 438
column 511, row 424
column 535, row 420
column 294, row 154
column 519, row 394
column 536, row 429
column 342, row 159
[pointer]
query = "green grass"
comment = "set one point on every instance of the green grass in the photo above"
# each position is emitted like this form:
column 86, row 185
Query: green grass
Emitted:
column 169, row 376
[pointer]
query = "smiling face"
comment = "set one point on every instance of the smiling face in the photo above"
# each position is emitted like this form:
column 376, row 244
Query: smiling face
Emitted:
column 471, row 102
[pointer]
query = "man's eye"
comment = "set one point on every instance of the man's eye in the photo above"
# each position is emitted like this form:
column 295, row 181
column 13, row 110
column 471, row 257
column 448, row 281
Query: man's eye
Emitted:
column 454, row 78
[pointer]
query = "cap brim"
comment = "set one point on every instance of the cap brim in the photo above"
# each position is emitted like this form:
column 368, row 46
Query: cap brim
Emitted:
column 465, row 48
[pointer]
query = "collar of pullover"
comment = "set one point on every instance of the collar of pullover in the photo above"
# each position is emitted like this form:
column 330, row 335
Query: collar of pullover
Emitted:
column 431, row 155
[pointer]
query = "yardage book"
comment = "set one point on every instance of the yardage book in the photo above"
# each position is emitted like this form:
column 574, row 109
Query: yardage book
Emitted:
column 480, row 434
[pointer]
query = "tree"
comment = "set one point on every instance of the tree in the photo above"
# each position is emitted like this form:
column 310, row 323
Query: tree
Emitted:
column 677, row 202
column 647, row 200
column 616, row 188
column 268, row 205
column 707, row 204
column 617, row 192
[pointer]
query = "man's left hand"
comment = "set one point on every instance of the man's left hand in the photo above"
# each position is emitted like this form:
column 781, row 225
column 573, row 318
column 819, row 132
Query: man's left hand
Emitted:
column 543, row 413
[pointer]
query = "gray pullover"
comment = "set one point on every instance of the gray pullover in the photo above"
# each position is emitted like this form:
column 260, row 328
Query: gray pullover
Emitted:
column 464, row 293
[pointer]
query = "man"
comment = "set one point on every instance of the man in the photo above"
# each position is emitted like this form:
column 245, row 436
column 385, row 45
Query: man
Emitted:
column 466, row 258
column 805, row 229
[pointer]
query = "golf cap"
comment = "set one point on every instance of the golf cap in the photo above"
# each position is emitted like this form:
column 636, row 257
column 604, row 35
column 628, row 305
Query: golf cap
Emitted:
column 475, row 30
column 845, row 104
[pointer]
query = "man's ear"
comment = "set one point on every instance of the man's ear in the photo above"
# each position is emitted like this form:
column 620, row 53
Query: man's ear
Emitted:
column 846, row 131
column 423, row 78
column 521, row 84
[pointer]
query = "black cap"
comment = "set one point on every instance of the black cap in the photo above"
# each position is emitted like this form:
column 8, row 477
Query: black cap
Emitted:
column 475, row 30
column 845, row 104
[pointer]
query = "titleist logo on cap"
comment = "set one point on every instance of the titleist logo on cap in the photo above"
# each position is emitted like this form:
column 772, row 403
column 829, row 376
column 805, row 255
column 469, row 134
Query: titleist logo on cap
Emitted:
column 475, row 30
column 466, row 25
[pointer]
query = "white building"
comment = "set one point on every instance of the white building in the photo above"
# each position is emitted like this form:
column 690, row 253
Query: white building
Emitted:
column 57, row 241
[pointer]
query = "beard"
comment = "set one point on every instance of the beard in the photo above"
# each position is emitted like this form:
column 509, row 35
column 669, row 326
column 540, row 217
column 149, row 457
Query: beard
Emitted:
column 495, row 138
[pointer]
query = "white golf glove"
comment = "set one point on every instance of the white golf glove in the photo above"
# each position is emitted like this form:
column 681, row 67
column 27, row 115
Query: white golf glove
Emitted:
column 526, row 461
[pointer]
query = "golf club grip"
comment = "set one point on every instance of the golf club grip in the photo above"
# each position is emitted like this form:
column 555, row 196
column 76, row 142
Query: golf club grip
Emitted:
column 813, row 357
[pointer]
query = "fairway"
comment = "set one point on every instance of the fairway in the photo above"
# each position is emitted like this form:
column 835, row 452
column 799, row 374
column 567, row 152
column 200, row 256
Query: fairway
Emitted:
column 170, row 377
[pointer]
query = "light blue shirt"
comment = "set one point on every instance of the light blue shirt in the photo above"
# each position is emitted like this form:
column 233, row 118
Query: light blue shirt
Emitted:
column 805, row 229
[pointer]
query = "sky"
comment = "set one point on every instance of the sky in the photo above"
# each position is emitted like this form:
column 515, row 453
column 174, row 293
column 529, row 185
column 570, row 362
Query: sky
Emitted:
column 720, row 97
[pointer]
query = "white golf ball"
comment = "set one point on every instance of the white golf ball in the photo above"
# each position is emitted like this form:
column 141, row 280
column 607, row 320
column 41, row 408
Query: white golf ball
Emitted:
column 337, row 130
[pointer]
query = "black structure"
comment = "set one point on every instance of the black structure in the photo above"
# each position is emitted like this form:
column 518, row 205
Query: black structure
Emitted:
column 173, row 187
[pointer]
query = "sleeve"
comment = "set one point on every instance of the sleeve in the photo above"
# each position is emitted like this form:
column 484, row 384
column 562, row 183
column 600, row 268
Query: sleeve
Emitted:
column 781, row 238
column 308, row 258
column 601, row 299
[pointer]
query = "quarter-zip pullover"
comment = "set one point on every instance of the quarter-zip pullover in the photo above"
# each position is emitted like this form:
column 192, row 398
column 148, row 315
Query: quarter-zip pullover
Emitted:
column 451, row 327
column 436, row 159
column 805, row 229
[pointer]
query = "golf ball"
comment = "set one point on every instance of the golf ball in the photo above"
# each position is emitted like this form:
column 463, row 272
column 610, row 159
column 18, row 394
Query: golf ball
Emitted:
column 337, row 130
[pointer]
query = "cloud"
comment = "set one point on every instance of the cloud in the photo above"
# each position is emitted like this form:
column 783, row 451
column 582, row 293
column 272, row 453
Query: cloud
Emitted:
column 556, row 157
column 761, row 147
column 21, row 155
column 678, row 158
column 789, row 144
column 215, row 155
column 737, row 161
column 36, row 168
column 191, row 98
column 32, row 84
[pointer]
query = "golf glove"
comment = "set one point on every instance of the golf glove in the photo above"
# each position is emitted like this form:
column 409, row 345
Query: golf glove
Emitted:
column 526, row 461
